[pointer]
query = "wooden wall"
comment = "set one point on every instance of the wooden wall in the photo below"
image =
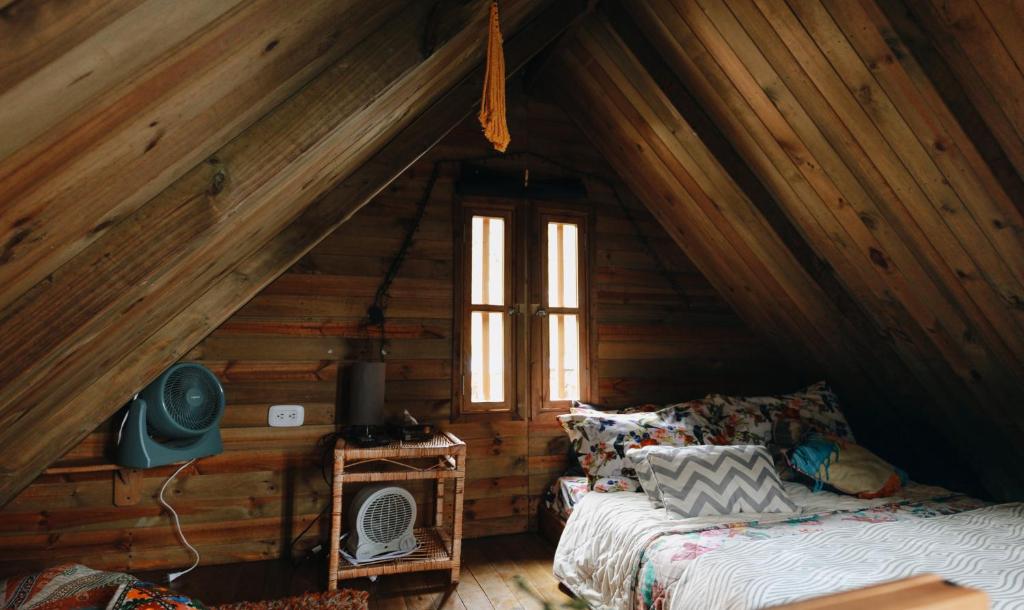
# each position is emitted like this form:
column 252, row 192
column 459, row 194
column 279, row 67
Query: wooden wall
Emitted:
column 162, row 162
column 288, row 344
column 875, row 232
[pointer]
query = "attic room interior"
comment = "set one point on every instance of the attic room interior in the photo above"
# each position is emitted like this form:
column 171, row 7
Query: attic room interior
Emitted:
column 611, row 304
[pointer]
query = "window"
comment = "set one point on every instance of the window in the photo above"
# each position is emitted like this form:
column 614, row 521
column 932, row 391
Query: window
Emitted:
column 563, row 301
column 522, row 342
column 564, row 331
column 487, row 318
column 488, row 374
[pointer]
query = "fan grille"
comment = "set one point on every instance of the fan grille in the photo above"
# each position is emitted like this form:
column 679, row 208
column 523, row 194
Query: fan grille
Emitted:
column 387, row 517
column 191, row 398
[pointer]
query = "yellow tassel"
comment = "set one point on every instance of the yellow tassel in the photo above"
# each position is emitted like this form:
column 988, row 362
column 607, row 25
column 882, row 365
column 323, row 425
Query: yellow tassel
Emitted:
column 492, row 103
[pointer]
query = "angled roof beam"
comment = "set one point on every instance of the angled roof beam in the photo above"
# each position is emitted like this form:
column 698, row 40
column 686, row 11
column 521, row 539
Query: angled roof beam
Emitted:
column 254, row 208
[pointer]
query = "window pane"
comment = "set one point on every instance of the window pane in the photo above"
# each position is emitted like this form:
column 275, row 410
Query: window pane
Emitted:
column 563, row 265
column 488, row 267
column 487, row 357
column 564, row 357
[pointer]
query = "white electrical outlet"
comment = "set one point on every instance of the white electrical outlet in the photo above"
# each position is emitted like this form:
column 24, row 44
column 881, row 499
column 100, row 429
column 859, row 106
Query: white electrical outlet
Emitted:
column 286, row 416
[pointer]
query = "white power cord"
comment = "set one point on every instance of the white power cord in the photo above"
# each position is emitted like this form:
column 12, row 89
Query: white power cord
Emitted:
column 124, row 421
column 171, row 577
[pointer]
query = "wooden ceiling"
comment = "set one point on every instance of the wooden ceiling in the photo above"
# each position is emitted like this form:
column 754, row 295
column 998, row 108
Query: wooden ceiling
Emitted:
column 848, row 174
column 160, row 164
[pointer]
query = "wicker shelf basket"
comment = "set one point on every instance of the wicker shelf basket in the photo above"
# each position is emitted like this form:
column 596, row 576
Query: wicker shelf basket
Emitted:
column 441, row 458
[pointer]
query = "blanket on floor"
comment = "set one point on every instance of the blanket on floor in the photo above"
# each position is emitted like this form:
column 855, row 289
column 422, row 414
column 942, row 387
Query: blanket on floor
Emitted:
column 64, row 587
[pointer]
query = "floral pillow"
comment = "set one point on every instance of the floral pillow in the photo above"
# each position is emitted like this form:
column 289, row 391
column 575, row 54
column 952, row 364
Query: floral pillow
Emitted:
column 727, row 422
column 600, row 440
column 749, row 420
column 818, row 407
column 582, row 407
column 609, row 484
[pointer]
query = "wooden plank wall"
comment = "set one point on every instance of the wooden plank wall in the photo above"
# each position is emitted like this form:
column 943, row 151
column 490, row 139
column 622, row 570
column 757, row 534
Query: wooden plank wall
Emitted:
column 862, row 154
column 288, row 344
column 169, row 172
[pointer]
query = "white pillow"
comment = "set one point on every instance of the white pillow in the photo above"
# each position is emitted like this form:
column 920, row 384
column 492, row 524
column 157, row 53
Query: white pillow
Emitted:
column 642, row 467
column 705, row 480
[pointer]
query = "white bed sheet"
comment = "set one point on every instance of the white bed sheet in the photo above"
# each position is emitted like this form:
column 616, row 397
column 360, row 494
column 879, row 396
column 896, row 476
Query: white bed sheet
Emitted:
column 982, row 549
column 607, row 533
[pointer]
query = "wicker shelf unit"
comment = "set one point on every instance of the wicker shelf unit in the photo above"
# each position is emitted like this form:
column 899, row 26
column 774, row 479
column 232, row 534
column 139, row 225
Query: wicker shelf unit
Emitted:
column 441, row 458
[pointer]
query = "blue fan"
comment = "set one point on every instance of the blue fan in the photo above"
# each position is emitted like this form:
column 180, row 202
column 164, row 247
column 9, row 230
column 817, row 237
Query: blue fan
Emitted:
column 175, row 418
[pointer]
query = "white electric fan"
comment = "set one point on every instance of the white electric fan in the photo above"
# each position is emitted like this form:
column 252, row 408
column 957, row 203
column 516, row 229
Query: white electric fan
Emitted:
column 381, row 524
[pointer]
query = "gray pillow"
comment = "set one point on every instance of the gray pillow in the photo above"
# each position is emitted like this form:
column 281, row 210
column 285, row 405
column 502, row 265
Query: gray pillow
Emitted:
column 638, row 458
column 703, row 480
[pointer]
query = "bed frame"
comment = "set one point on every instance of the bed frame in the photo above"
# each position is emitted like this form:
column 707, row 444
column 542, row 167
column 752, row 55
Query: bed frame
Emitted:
column 923, row 592
column 550, row 523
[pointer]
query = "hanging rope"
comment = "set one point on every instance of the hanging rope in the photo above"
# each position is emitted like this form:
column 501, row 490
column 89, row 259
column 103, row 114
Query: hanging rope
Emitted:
column 492, row 103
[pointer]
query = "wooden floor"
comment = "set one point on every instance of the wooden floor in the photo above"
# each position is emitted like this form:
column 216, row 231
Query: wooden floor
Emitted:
column 490, row 569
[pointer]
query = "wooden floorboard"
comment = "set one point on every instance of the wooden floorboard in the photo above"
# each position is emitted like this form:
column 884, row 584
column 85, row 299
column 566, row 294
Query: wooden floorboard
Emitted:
column 488, row 581
column 484, row 564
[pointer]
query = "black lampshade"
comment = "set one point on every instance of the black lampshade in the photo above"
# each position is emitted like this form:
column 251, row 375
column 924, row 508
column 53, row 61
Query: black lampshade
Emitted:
column 366, row 405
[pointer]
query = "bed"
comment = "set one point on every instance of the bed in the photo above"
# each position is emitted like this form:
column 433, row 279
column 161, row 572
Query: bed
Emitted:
column 558, row 504
column 618, row 552
column 728, row 457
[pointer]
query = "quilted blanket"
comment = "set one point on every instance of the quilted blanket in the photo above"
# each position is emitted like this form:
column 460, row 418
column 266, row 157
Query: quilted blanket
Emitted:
column 983, row 548
column 618, row 552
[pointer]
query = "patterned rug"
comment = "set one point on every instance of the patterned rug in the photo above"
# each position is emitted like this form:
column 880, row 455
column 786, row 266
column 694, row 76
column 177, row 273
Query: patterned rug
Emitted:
column 63, row 587
column 342, row 599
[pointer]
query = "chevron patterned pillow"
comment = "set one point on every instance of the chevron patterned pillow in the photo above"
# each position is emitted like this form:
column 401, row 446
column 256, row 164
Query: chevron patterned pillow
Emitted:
column 642, row 467
column 705, row 480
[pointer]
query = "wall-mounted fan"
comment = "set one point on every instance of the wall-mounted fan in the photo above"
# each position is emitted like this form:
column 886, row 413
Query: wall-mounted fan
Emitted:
column 175, row 418
column 381, row 523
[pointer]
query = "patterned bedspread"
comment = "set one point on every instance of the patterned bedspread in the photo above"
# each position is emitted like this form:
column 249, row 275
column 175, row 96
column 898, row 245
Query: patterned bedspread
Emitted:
column 618, row 552
column 565, row 493
column 668, row 557
column 983, row 549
